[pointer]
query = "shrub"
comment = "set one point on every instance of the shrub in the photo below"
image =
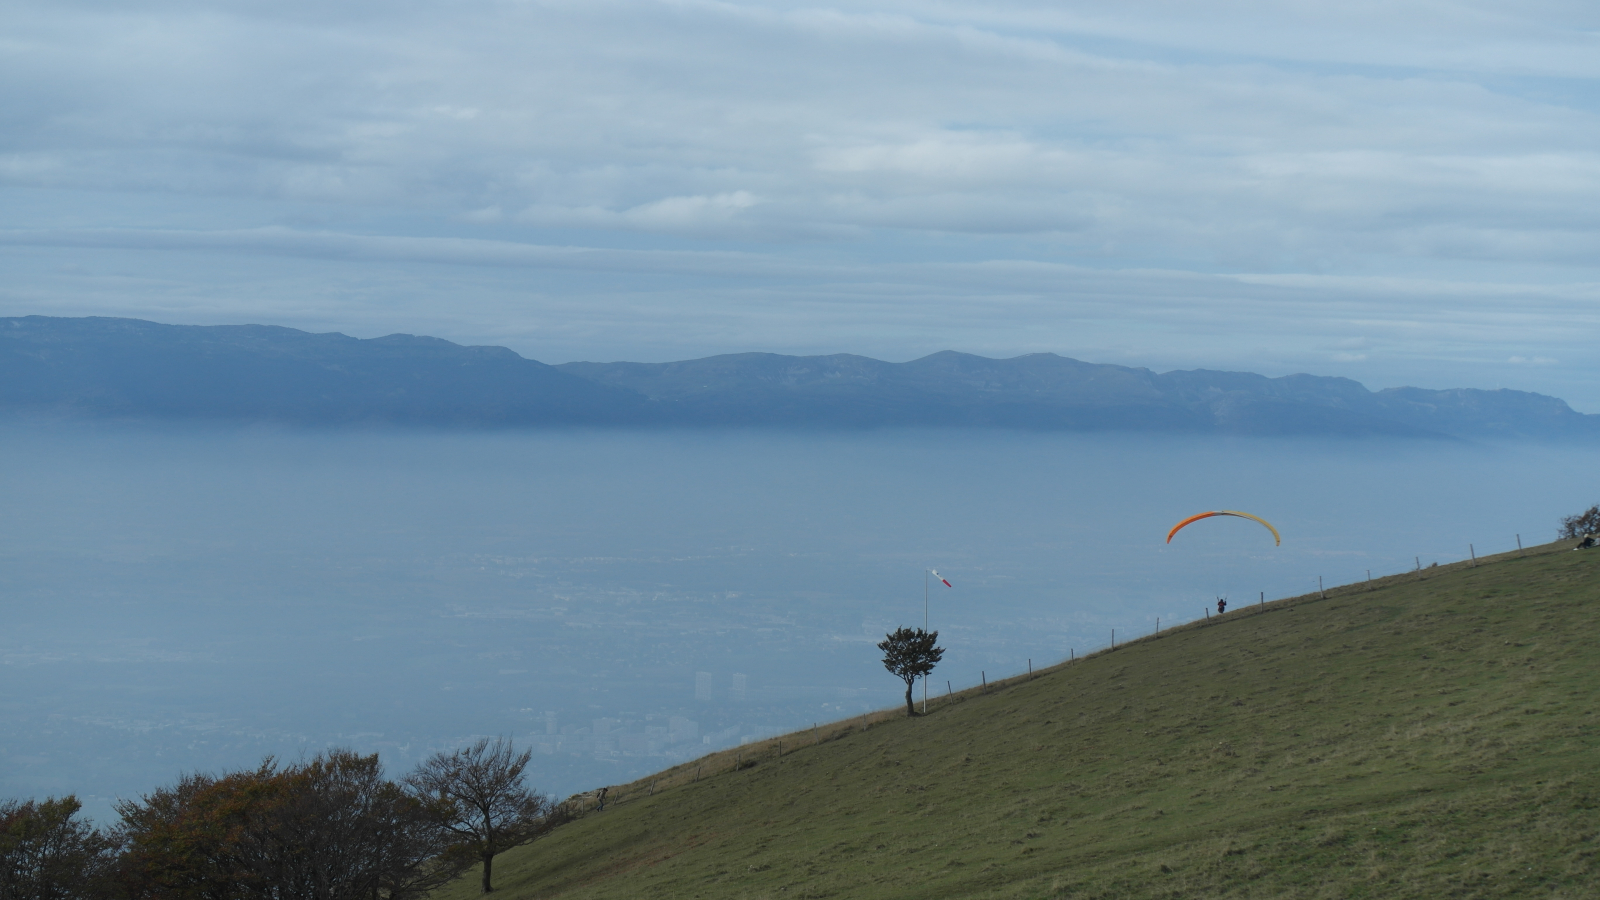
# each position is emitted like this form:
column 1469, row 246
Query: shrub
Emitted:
column 1586, row 522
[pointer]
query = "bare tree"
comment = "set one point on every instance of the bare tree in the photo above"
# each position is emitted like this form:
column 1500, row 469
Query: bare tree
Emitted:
column 487, row 807
column 1586, row 522
column 910, row 653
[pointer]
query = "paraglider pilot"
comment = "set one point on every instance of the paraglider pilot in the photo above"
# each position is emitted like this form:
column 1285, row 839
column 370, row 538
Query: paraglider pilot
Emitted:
column 1222, row 605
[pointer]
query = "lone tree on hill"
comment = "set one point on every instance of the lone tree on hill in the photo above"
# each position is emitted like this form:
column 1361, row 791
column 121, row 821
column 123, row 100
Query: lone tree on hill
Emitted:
column 1586, row 522
column 488, row 808
column 910, row 654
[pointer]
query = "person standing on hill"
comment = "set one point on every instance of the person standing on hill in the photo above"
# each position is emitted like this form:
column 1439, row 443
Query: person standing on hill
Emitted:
column 1222, row 605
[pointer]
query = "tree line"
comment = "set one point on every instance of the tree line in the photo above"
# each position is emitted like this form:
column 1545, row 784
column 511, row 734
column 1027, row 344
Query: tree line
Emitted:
column 329, row 828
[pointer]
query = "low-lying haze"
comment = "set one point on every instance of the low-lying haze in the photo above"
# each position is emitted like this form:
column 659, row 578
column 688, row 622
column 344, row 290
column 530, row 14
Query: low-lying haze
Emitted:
column 180, row 600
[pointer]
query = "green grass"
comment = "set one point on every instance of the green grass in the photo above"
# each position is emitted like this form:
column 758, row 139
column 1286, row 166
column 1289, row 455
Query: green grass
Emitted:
column 1432, row 737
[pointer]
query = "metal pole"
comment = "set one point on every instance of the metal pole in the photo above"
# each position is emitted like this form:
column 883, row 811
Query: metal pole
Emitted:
column 924, row 629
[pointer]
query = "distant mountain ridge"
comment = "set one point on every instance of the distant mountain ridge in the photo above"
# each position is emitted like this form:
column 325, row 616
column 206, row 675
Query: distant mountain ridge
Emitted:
column 128, row 368
column 1049, row 392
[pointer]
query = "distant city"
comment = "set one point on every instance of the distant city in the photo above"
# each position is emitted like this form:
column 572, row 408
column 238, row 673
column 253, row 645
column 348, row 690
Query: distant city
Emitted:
column 658, row 735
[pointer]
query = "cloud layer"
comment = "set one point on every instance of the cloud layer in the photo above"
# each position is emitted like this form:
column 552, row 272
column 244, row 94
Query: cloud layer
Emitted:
column 1397, row 192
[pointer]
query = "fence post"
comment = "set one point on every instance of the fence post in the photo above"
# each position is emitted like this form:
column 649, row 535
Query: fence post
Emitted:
column 949, row 692
column 1158, row 625
column 1030, row 668
column 1320, row 592
column 1263, row 599
column 1519, row 545
column 985, row 676
column 1207, row 611
column 1474, row 551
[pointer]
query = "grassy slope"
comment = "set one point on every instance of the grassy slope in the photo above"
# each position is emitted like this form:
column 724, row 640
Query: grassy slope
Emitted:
column 1432, row 737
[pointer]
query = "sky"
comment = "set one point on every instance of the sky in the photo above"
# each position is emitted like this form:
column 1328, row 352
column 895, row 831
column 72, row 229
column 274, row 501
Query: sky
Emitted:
column 1404, row 192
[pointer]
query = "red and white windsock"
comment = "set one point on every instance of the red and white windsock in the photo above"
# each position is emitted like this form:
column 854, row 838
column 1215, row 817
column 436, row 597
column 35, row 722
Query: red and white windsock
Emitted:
column 941, row 577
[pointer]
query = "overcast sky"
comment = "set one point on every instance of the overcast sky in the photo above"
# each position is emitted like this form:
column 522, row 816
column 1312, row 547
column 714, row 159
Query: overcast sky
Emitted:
column 1401, row 192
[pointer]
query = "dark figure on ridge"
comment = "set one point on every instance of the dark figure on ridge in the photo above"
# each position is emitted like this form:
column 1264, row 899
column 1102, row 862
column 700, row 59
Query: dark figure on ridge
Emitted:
column 1222, row 605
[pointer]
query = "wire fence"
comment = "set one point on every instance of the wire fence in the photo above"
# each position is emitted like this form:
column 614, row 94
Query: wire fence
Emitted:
column 748, row 756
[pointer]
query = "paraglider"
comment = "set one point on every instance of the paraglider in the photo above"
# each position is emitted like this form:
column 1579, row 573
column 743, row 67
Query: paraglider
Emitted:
column 1276, row 540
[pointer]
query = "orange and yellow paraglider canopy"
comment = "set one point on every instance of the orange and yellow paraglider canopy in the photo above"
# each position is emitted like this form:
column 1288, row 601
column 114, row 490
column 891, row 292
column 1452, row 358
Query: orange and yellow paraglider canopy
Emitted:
column 1276, row 540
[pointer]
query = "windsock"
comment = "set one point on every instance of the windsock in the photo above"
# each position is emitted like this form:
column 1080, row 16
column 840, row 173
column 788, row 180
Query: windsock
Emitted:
column 940, row 577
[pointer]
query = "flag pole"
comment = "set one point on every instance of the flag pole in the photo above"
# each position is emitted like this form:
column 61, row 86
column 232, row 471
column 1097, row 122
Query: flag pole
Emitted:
column 924, row 628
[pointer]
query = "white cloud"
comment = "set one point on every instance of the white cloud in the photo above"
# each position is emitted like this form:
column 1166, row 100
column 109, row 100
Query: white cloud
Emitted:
column 895, row 176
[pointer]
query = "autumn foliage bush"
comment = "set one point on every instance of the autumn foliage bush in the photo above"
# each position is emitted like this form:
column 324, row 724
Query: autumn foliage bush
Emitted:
column 326, row 829
column 1586, row 522
column 330, row 828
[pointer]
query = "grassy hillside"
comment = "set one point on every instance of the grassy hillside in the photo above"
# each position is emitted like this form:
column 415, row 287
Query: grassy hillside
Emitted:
column 1433, row 736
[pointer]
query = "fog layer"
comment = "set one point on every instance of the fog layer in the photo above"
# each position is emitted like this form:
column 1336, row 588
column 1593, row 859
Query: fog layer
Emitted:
column 195, row 600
